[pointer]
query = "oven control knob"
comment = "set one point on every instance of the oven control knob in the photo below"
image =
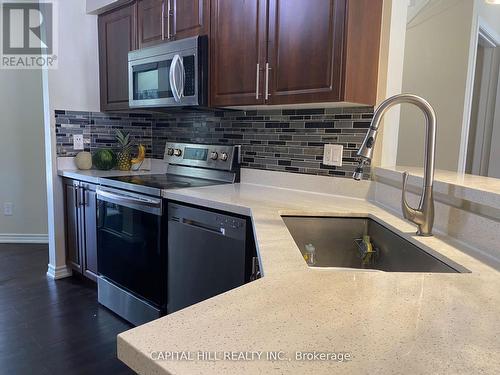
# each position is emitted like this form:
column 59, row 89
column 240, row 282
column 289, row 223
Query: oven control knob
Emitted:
column 224, row 156
column 177, row 152
column 214, row 155
column 170, row 151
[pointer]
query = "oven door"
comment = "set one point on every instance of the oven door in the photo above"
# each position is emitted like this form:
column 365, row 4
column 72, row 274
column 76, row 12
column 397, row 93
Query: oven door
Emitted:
column 166, row 80
column 130, row 244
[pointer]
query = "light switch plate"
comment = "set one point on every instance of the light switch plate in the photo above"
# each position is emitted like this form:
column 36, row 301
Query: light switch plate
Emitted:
column 8, row 209
column 78, row 142
column 333, row 155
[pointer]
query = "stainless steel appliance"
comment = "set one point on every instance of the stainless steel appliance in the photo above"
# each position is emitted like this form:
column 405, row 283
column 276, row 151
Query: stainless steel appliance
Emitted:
column 171, row 74
column 207, row 254
column 132, row 227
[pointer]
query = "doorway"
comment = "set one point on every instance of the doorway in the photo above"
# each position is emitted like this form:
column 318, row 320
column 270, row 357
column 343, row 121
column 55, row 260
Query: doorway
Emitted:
column 483, row 152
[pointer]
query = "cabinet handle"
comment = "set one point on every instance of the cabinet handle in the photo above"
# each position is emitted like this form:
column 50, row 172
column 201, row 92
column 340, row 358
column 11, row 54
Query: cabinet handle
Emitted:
column 169, row 11
column 267, row 81
column 163, row 20
column 76, row 196
column 257, row 82
column 81, row 196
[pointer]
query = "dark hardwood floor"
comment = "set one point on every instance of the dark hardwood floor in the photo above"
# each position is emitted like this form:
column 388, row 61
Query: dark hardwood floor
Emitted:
column 52, row 327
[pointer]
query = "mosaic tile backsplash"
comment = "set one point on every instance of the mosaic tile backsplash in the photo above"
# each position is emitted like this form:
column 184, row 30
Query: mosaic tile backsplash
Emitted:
column 288, row 140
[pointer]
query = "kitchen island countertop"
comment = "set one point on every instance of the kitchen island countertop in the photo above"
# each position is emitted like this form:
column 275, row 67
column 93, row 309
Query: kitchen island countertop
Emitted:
column 386, row 322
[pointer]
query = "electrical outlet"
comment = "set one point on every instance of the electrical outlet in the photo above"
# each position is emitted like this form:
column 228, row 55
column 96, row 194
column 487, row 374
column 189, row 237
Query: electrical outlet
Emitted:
column 78, row 142
column 333, row 155
column 8, row 209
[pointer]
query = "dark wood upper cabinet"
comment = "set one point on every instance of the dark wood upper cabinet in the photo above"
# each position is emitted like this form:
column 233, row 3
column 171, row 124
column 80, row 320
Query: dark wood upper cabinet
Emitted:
column 163, row 20
column 361, row 51
column 261, row 51
column 238, row 52
column 305, row 50
column 150, row 22
column 312, row 51
column 117, row 36
column 190, row 18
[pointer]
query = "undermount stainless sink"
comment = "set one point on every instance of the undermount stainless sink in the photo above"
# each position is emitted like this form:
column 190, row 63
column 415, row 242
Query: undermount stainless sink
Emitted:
column 335, row 243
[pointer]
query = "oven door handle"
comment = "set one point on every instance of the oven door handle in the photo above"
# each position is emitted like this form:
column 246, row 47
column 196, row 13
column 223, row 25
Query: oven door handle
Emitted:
column 145, row 204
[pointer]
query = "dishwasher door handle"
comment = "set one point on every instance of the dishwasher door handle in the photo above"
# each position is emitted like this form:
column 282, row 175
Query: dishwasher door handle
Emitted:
column 197, row 224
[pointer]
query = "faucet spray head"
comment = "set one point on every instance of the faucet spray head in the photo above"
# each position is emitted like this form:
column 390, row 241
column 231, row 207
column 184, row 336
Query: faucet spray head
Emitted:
column 358, row 172
column 365, row 152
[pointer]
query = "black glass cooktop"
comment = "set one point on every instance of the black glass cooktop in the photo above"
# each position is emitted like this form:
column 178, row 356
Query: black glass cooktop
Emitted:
column 153, row 184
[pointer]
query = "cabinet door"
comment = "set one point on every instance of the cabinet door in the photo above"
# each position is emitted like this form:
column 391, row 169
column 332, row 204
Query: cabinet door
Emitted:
column 238, row 51
column 190, row 18
column 150, row 22
column 305, row 50
column 117, row 36
column 72, row 227
column 90, row 215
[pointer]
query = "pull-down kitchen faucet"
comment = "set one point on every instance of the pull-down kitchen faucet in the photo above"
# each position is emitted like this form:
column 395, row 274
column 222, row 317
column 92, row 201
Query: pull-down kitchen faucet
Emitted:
column 423, row 216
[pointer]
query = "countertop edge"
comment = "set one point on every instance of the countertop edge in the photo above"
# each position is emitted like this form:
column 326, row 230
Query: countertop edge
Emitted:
column 186, row 196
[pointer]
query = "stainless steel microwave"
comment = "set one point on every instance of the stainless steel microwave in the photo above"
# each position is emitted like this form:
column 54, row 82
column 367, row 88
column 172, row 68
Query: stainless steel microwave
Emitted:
column 171, row 74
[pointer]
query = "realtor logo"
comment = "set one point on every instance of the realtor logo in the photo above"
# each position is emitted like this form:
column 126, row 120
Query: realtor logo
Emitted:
column 28, row 31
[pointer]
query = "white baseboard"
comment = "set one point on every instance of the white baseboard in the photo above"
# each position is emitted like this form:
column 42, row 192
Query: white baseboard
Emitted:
column 58, row 272
column 23, row 238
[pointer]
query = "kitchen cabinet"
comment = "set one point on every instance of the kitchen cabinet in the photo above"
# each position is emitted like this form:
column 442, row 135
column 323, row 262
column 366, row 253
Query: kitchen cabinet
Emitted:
column 117, row 36
column 304, row 50
column 81, row 227
column 163, row 20
column 294, row 51
column 238, row 51
column 72, row 240
column 190, row 18
column 150, row 22
column 140, row 24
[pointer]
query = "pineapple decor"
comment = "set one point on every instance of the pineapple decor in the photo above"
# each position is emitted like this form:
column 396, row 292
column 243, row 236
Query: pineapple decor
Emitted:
column 124, row 156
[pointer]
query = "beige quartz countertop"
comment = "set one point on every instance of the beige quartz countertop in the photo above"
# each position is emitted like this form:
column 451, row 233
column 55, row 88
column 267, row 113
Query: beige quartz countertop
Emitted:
column 448, row 184
column 412, row 323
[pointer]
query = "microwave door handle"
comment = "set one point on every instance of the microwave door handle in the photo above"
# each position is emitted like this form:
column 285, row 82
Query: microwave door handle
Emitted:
column 176, row 61
column 173, row 80
column 182, row 77
column 179, row 77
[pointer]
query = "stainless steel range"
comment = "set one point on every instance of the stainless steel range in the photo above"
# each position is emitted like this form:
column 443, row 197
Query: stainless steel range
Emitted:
column 189, row 165
column 132, row 226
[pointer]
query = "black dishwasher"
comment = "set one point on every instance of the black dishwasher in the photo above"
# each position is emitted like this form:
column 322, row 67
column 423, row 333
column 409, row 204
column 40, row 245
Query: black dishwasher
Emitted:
column 208, row 254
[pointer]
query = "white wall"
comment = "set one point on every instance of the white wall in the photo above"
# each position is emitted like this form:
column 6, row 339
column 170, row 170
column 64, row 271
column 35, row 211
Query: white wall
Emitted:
column 390, row 78
column 436, row 67
column 22, row 169
column 489, row 15
column 494, row 163
column 73, row 86
column 439, row 65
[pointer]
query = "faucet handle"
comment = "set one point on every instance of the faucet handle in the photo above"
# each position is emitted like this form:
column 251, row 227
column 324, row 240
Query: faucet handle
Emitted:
column 409, row 212
column 405, row 180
